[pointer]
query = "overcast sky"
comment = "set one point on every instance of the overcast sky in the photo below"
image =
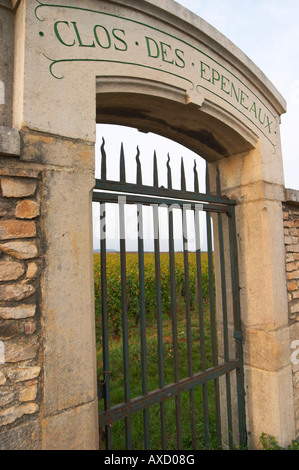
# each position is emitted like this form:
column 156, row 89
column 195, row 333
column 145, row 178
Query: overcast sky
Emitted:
column 267, row 31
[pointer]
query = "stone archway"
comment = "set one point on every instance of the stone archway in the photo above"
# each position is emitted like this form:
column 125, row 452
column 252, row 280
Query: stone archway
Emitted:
column 157, row 67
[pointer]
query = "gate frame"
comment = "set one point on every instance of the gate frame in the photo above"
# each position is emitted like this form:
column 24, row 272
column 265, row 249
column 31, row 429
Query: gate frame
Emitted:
column 230, row 417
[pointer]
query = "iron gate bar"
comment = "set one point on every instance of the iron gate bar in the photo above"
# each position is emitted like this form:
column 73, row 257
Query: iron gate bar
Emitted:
column 142, row 324
column 224, row 316
column 159, row 305
column 154, row 397
column 132, row 199
column 188, row 327
column 201, row 330
column 213, row 326
column 128, row 432
column 159, row 322
column 105, row 336
column 225, row 329
column 173, row 311
column 119, row 187
column 237, row 333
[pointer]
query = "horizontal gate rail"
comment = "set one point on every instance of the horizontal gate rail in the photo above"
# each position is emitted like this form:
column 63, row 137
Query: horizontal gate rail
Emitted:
column 144, row 200
column 110, row 185
column 140, row 403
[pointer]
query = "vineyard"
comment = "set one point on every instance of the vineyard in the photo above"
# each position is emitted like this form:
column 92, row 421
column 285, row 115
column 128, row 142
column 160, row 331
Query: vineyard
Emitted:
column 116, row 376
column 114, row 284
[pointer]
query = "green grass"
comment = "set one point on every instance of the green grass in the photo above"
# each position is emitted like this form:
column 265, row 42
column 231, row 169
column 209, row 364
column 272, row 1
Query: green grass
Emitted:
column 117, row 374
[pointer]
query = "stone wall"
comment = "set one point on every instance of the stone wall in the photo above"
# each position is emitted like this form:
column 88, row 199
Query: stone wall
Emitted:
column 20, row 326
column 291, row 231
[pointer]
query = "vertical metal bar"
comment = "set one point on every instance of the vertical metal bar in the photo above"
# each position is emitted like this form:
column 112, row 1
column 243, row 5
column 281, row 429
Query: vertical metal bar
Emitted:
column 225, row 329
column 142, row 307
column 125, row 332
column 159, row 306
column 224, row 316
column 237, row 327
column 105, row 334
column 142, row 324
column 213, row 315
column 213, row 325
column 201, row 328
column 174, row 326
column 174, row 313
column 188, row 325
column 188, row 308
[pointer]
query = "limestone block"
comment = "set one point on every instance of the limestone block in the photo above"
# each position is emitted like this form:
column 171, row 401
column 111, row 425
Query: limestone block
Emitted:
column 67, row 292
column 21, row 349
column 2, row 378
column 28, row 392
column 9, row 141
column 27, row 209
column 20, row 249
column 10, row 270
column 268, row 411
column 6, row 397
column 9, row 329
column 23, row 374
column 10, row 415
column 268, row 350
column 75, row 429
column 31, row 271
column 24, row 437
column 17, row 313
column 11, row 229
column 17, row 188
column 16, row 291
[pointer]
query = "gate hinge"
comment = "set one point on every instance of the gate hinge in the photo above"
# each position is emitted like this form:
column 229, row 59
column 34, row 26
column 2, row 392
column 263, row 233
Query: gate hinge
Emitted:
column 101, row 385
column 238, row 335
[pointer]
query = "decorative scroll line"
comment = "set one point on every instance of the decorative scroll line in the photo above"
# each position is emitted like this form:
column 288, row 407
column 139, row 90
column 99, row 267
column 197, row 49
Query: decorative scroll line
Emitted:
column 54, row 62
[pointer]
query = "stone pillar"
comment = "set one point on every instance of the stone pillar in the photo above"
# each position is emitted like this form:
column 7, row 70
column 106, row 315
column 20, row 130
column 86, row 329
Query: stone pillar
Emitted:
column 268, row 374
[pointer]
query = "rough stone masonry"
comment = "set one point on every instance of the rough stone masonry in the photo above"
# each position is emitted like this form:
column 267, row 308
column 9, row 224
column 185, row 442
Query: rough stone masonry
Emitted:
column 19, row 296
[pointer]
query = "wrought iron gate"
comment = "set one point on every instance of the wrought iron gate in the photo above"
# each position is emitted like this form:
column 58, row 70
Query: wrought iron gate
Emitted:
column 214, row 379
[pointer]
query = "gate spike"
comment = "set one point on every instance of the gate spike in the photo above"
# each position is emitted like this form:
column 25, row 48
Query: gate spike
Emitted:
column 104, row 160
column 208, row 190
column 169, row 177
column 122, row 166
column 139, row 173
column 183, row 178
column 196, row 184
column 156, row 179
column 218, row 184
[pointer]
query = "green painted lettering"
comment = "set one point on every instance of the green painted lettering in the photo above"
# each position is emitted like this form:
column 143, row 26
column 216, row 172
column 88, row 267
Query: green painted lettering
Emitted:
column 165, row 51
column 260, row 117
column 151, row 42
column 203, row 69
column 233, row 90
column 58, row 34
column 215, row 76
column 253, row 108
column 268, row 124
column 124, row 44
column 243, row 95
column 79, row 37
column 182, row 65
column 106, row 39
column 224, row 83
